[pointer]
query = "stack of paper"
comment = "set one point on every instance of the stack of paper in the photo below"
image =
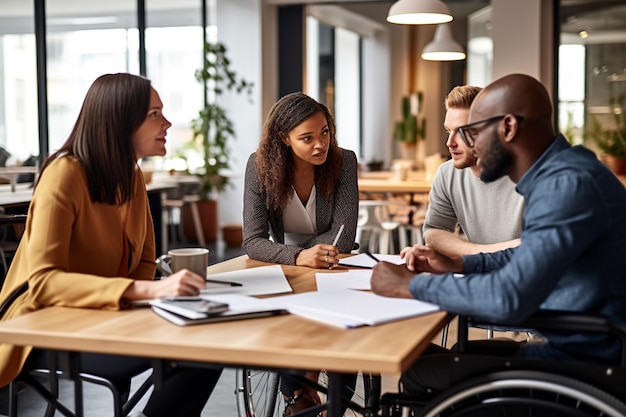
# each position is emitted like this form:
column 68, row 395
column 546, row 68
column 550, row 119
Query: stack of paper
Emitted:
column 239, row 307
column 350, row 308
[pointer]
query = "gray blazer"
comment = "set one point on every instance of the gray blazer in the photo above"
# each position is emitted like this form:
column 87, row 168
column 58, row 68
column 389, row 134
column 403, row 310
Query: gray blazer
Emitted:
column 258, row 226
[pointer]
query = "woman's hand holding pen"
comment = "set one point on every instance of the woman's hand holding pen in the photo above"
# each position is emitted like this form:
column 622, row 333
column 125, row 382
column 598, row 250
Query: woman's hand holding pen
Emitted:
column 318, row 256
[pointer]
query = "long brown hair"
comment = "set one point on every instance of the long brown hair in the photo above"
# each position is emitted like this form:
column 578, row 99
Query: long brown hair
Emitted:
column 114, row 107
column 274, row 160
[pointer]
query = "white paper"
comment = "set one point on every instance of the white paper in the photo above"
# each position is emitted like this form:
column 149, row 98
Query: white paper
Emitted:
column 262, row 280
column 363, row 260
column 350, row 308
column 354, row 279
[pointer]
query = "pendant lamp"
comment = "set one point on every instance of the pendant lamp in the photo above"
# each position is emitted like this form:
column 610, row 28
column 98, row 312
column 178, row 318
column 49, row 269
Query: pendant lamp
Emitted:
column 419, row 12
column 443, row 47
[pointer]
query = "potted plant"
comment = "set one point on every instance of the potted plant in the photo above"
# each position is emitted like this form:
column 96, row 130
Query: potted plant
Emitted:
column 212, row 131
column 411, row 128
column 612, row 140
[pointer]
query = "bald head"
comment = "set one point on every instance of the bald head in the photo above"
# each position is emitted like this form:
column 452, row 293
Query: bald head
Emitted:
column 520, row 95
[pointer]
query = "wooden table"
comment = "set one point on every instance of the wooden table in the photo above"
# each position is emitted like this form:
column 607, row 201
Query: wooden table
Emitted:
column 408, row 186
column 286, row 341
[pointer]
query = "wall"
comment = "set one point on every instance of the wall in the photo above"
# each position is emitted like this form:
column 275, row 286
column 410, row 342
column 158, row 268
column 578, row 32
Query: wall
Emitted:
column 245, row 51
column 522, row 39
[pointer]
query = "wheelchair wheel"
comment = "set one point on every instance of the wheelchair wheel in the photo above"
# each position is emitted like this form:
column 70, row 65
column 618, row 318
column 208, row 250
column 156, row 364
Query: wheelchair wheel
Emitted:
column 524, row 393
column 258, row 393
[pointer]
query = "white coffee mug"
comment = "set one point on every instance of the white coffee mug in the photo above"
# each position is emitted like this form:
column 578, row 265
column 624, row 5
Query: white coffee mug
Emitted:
column 193, row 259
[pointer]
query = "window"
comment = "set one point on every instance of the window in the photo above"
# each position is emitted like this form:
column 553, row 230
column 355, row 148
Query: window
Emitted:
column 592, row 66
column 83, row 45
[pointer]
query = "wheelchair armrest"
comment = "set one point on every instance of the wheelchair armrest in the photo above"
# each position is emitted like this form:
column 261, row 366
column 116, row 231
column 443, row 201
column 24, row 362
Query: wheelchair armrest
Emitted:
column 554, row 321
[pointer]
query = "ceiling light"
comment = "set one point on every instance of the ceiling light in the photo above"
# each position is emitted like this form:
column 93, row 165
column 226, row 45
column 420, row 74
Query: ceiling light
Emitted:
column 419, row 12
column 443, row 47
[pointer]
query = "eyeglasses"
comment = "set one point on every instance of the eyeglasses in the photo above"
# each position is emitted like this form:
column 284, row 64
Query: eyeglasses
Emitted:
column 468, row 133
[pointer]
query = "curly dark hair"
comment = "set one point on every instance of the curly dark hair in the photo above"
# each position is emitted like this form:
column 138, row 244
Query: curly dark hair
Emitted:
column 274, row 160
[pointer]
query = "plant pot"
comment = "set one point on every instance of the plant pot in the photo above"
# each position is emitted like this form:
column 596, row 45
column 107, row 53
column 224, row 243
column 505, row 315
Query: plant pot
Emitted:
column 615, row 164
column 208, row 218
column 408, row 151
column 232, row 235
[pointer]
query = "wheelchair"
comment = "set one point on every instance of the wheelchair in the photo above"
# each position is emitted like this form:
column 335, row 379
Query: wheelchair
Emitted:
column 258, row 394
column 515, row 387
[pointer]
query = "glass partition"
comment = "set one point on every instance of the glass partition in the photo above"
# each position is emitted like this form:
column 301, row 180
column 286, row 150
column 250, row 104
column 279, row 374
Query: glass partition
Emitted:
column 592, row 67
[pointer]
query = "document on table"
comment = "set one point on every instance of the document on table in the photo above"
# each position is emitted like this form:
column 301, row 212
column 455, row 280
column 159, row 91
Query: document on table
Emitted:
column 239, row 307
column 350, row 308
column 363, row 260
column 262, row 280
column 354, row 279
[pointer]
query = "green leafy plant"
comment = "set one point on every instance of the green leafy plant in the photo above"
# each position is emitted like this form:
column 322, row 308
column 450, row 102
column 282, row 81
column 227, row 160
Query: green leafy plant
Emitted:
column 212, row 129
column 410, row 128
column 611, row 141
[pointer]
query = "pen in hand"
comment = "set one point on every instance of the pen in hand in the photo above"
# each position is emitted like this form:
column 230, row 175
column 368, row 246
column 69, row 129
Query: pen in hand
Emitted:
column 372, row 256
column 338, row 234
column 232, row 284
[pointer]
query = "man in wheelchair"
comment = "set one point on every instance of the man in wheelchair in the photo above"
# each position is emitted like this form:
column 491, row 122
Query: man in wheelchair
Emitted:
column 569, row 263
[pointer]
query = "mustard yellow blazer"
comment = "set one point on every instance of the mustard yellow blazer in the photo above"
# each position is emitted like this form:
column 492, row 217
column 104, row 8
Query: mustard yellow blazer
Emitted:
column 71, row 251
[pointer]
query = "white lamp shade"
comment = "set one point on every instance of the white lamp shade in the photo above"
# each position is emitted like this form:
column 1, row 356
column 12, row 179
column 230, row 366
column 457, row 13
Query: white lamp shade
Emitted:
column 443, row 47
column 419, row 12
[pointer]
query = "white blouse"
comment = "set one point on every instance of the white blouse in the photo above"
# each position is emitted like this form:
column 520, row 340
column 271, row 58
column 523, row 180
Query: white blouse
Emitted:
column 299, row 221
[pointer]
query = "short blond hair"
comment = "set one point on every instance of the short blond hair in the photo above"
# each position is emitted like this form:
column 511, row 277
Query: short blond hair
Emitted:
column 461, row 97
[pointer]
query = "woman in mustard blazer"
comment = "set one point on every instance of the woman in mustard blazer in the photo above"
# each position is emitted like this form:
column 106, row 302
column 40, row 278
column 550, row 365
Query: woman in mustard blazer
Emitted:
column 89, row 238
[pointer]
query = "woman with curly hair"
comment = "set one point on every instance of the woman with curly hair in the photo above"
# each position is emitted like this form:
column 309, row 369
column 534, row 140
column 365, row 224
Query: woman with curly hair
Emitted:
column 300, row 188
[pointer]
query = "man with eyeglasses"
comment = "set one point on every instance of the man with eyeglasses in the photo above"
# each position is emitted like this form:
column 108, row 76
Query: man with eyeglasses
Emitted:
column 572, row 245
column 489, row 214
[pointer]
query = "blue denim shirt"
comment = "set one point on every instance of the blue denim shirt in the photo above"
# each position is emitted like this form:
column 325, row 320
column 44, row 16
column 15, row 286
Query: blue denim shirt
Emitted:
column 572, row 256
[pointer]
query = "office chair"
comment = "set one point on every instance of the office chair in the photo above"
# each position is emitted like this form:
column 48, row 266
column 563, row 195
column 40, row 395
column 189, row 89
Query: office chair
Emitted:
column 32, row 379
column 521, row 386
column 8, row 246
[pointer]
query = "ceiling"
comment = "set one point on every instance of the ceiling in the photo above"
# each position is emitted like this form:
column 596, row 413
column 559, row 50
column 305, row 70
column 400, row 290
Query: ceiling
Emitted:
column 604, row 20
column 70, row 7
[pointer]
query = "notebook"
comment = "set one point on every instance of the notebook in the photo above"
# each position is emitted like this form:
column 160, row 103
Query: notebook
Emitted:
column 239, row 307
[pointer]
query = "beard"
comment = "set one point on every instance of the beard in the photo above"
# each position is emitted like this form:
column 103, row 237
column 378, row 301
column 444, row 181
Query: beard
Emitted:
column 494, row 161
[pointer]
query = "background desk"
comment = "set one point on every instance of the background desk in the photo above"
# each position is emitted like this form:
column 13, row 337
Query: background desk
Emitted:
column 286, row 341
column 408, row 186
